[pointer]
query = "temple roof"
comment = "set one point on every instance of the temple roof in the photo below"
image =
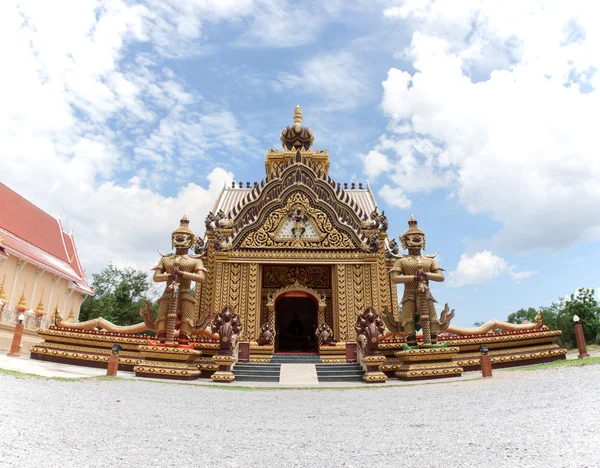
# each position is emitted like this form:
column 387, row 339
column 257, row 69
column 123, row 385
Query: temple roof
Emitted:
column 30, row 233
column 230, row 197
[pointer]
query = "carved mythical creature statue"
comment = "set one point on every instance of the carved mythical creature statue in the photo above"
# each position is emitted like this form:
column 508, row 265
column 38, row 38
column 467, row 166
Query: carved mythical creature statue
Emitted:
column 176, row 306
column 368, row 329
column 228, row 325
column 380, row 220
column 210, row 220
column 393, row 246
column 267, row 335
column 415, row 271
column 324, row 333
column 373, row 242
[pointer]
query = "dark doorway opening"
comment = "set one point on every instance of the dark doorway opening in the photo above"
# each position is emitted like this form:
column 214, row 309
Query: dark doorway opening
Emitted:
column 296, row 322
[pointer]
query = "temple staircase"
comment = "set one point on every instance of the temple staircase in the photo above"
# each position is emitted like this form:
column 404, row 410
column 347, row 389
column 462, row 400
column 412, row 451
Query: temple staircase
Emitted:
column 349, row 372
column 258, row 372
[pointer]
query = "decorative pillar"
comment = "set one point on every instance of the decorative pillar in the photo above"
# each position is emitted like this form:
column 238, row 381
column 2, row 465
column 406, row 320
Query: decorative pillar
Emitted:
column 20, row 265
column 68, row 293
column 39, row 311
column 39, row 272
column 2, row 297
column 580, row 338
column 55, row 279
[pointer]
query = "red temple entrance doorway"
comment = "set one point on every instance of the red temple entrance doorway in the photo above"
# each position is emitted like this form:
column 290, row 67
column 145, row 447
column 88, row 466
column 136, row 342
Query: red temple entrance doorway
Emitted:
column 295, row 324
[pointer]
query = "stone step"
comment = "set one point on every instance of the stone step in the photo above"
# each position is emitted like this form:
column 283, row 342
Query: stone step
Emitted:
column 256, row 371
column 340, row 378
column 296, row 359
column 256, row 378
column 256, row 366
column 340, row 371
column 337, row 366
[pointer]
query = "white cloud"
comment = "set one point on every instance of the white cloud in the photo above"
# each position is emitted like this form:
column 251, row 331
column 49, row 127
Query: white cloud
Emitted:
column 482, row 267
column 376, row 163
column 337, row 80
column 76, row 117
column 507, row 95
column 394, row 196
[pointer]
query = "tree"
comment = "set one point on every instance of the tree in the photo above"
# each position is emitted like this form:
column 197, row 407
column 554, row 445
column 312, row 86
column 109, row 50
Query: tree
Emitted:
column 549, row 315
column 585, row 306
column 119, row 294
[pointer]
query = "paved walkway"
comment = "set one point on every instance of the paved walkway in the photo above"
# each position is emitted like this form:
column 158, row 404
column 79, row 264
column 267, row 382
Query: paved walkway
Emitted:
column 298, row 375
column 539, row 418
column 292, row 375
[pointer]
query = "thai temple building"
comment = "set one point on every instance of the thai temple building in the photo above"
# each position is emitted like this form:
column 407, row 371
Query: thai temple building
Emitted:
column 39, row 268
column 296, row 264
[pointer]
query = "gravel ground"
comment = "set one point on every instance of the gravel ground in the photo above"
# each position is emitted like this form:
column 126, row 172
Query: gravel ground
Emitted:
column 543, row 418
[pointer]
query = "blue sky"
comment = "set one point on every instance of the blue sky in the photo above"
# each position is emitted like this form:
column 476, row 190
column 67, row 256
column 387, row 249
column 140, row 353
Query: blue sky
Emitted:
column 478, row 117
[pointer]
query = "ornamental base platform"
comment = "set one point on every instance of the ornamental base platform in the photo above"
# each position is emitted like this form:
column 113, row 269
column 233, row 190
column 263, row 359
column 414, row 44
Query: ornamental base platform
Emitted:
column 224, row 373
column 168, row 363
column 427, row 363
column 373, row 373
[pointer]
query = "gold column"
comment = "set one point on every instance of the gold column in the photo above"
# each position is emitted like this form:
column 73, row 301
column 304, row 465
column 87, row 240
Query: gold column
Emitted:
column 342, row 302
column 216, row 300
column 356, row 286
column 243, row 299
column 206, row 304
column 232, row 286
column 253, row 301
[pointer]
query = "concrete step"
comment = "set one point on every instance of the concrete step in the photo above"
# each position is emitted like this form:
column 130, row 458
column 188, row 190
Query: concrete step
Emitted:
column 296, row 359
column 237, row 371
column 257, row 372
column 256, row 366
column 337, row 366
column 345, row 378
column 256, row 378
column 341, row 372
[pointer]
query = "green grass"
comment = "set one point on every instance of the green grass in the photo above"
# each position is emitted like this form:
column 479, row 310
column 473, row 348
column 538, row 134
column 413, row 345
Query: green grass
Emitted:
column 563, row 363
column 591, row 348
column 23, row 375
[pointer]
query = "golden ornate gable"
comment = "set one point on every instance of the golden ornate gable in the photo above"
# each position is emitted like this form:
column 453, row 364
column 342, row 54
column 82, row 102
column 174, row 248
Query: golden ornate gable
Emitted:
column 298, row 211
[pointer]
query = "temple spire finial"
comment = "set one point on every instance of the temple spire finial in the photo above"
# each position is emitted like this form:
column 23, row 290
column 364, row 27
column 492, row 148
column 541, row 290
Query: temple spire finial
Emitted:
column 298, row 114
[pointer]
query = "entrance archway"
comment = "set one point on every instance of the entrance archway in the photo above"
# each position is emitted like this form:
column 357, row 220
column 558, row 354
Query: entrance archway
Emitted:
column 296, row 320
column 296, row 297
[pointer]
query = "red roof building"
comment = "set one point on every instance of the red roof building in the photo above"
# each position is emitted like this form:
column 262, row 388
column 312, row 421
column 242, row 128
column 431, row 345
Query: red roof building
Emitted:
column 40, row 269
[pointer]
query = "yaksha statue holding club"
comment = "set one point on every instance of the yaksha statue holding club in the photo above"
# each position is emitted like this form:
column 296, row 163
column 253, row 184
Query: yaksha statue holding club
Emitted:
column 415, row 271
column 177, row 305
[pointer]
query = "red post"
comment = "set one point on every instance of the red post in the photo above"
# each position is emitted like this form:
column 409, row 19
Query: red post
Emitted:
column 113, row 365
column 484, row 360
column 16, row 342
column 580, row 337
column 486, row 365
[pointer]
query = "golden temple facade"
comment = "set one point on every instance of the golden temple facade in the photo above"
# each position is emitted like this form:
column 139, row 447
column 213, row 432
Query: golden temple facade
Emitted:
column 297, row 263
column 296, row 227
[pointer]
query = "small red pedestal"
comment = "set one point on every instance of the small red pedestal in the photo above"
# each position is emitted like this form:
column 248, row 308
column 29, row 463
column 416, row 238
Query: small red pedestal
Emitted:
column 16, row 342
column 113, row 365
column 486, row 365
column 244, row 351
column 351, row 352
column 580, row 337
